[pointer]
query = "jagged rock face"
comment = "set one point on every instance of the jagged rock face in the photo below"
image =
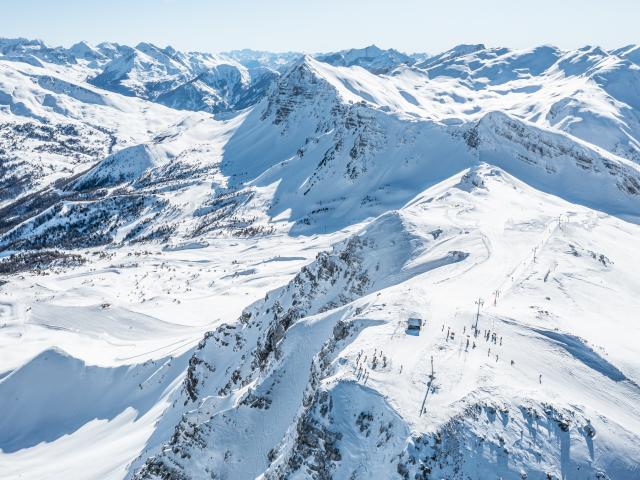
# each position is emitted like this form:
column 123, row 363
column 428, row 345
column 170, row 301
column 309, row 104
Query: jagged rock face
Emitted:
column 300, row 87
column 542, row 428
column 246, row 360
column 521, row 441
column 554, row 154
column 333, row 280
column 241, row 355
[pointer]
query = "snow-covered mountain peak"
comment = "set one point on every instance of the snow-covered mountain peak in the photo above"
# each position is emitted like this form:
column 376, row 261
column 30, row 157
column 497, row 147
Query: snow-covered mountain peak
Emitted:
column 150, row 49
column 22, row 45
column 457, row 51
column 86, row 51
column 371, row 58
column 182, row 80
column 22, row 49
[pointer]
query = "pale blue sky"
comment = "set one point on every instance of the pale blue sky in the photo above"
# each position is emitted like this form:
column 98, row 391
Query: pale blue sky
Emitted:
column 313, row 25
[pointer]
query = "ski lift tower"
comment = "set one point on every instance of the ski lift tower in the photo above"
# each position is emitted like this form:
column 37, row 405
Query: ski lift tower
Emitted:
column 479, row 303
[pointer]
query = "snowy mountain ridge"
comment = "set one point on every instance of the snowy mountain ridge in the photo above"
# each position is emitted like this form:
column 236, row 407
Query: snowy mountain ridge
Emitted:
column 227, row 256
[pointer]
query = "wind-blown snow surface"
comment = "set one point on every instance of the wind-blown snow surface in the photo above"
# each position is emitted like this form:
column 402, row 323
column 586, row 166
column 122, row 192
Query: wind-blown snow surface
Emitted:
column 189, row 296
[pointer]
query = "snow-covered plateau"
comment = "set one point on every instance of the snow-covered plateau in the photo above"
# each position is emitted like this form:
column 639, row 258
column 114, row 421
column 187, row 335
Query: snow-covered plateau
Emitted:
column 351, row 265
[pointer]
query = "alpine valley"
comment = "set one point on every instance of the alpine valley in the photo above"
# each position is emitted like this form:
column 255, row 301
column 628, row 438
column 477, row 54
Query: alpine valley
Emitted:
column 361, row 264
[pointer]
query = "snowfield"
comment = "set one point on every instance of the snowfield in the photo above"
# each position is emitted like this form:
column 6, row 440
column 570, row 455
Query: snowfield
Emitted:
column 208, row 263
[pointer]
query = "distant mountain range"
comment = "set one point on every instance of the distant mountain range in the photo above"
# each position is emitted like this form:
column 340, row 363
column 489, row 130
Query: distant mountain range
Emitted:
column 185, row 80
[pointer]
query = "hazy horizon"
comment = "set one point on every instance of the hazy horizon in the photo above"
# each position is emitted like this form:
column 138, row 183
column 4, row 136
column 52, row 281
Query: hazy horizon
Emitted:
column 282, row 25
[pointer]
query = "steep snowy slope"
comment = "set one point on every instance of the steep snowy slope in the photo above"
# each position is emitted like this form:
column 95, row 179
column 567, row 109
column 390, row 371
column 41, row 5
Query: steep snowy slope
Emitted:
column 349, row 148
column 321, row 379
column 359, row 139
column 125, row 317
column 589, row 90
column 142, row 192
